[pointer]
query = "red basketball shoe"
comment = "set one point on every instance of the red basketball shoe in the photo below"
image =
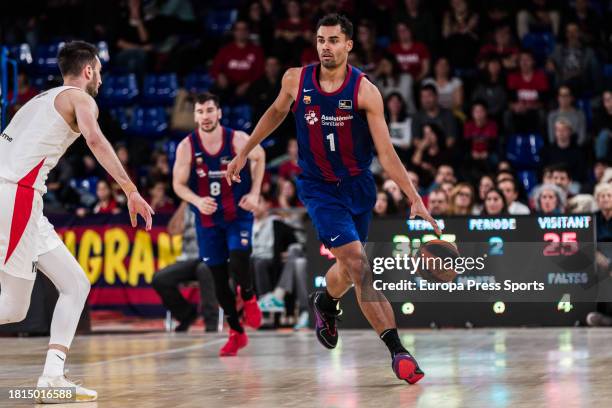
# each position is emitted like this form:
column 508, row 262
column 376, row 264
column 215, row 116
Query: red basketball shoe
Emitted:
column 235, row 342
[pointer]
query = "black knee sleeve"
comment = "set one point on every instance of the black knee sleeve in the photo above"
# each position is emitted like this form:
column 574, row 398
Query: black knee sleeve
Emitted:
column 240, row 268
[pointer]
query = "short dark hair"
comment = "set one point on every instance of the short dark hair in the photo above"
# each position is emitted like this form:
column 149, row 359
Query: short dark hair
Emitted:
column 511, row 180
column 204, row 97
column 560, row 168
column 74, row 56
column 430, row 87
column 480, row 102
column 335, row 19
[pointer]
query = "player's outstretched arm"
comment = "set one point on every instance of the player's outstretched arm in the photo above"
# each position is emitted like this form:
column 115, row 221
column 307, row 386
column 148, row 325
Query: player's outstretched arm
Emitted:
column 180, row 178
column 269, row 121
column 86, row 112
column 370, row 100
column 257, row 158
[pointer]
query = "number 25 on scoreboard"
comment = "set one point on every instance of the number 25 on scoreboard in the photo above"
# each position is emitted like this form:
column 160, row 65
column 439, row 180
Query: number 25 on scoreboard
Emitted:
column 566, row 244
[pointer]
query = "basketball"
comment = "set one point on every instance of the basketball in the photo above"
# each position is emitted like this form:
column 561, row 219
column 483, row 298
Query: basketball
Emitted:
column 436, row 255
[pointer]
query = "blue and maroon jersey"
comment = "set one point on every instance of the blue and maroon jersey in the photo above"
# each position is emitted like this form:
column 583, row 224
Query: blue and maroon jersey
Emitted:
column 333, row 137
column 208, row 179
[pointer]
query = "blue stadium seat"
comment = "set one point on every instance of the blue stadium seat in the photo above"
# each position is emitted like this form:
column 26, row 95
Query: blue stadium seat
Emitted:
column 118, row 90
column 45, row 60
column 120, row 115
column 198, row 82
column 219, row 22
column 226, row 119
column 85, row 184
column 170, row 149
column 541, row 44
column 148, row 121
column 160, row 89
column 241, row 118
column 523, row 151
column 528, row 179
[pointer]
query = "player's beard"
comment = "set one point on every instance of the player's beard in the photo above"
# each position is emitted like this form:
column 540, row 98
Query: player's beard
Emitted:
column 212, row 127
column 92, row 86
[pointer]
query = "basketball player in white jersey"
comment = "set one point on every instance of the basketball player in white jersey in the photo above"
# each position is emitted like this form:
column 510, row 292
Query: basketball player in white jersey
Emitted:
column 31, row 145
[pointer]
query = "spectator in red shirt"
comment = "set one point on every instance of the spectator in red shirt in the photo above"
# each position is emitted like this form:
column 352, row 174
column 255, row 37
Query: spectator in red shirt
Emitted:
column 480, row 131
column 160, row 202
column 106, row 202
column 293, row 33
column 502, row 47
column 239, row 63
column 25, row 92
column 528, row 88
column 412, row 56
column 290, row 169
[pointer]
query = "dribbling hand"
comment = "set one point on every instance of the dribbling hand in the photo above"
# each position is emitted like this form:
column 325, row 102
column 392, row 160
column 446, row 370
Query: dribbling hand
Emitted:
column 138, row 206
column 418, row 208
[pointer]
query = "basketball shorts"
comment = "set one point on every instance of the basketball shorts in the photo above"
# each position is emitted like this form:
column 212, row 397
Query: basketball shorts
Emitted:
column 25, row 233
column 215, row 243
column 341, row 212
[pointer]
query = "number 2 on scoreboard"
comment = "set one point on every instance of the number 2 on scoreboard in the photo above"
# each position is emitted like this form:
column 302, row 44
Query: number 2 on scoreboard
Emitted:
column 496, row 246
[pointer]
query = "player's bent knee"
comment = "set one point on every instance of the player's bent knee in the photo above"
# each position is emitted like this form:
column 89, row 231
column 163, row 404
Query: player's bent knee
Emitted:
column 84, row 288
column 357, row 267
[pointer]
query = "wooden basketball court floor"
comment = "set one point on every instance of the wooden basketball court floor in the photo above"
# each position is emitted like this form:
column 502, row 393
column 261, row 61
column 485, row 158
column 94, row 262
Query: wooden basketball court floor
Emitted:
column 552, row 367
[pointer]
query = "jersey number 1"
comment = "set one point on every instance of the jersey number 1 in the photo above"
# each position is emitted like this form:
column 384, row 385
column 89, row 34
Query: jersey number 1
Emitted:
column 332, row 143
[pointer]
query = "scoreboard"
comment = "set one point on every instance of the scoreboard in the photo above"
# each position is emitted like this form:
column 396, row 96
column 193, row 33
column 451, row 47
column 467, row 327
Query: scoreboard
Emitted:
column 525, row 270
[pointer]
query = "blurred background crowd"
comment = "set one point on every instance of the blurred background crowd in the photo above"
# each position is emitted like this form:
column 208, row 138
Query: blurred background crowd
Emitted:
column 494, row 107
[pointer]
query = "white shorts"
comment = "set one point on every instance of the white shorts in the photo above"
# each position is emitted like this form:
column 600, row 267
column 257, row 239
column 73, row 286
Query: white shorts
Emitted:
column 25, row 233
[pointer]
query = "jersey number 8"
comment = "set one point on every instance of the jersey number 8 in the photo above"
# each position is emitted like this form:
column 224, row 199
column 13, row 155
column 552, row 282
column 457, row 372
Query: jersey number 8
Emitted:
column 215, row 188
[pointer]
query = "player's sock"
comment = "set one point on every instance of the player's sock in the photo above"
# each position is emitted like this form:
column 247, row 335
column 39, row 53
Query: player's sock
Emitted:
column 392, row 340
column 54, row 365
column 328, row 303
column 234, row 323
column 240, row 267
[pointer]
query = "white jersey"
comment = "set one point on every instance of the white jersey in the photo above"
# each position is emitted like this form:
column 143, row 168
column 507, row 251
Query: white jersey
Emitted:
column 34, row 141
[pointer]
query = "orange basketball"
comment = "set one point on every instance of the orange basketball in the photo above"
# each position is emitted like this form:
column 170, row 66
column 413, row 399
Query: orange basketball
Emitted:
column 435, row 263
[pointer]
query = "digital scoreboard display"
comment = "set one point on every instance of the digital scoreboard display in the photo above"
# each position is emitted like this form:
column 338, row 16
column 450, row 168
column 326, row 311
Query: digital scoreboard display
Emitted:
column 513, row 270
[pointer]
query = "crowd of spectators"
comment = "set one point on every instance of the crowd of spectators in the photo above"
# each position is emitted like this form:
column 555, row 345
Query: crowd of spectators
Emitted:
column 461, row 81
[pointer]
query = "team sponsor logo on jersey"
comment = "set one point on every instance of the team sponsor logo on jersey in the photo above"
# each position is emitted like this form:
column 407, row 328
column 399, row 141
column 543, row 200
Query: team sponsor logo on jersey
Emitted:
column 244, row 234
column 307, row 99
column 216, row 174
column 225, row 160
column 311, row 117
column 335, row 120
column 201, row 173
column 345, row 104
column 7, row 137
column 244, row 242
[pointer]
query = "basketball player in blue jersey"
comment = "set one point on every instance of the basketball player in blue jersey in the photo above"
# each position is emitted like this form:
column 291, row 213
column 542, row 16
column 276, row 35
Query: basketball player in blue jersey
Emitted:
column 224, row 221
column 339, row 118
